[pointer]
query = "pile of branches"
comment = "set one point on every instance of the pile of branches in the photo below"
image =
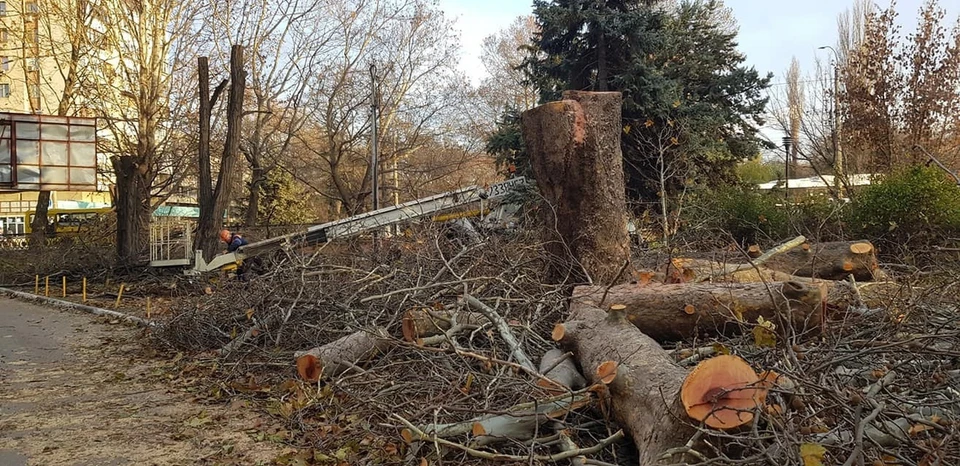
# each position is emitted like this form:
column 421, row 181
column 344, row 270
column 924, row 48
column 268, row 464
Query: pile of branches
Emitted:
column 876, row 385
column 305, row 299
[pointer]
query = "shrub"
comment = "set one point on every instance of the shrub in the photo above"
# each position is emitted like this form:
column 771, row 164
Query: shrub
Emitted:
column 749, row 216
column 819, row 218
column 915, row 207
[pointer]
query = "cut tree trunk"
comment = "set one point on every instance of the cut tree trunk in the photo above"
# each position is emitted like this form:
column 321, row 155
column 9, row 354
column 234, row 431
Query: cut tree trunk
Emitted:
column 645, row 392
column 679, row 311
column 574, row 148
column 839, row 293
column 341, row 355
column 832, row 260
column 557, row 366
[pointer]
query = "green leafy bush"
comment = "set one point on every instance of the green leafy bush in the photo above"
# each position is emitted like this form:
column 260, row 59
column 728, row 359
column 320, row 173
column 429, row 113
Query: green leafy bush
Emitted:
column 748, row 215
column 819, row 218
column 917, row 206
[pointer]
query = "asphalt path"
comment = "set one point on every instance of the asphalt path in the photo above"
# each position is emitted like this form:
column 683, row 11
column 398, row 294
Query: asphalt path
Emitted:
column 30, row 337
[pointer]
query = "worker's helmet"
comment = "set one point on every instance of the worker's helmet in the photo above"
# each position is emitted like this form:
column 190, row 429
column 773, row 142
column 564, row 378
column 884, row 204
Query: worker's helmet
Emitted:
column 225, row 235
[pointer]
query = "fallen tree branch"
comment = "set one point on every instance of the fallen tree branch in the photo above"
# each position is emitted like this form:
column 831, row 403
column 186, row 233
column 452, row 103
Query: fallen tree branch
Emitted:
column 733, row 268
column 420, row 435
column 504, row 330
column 519, row 422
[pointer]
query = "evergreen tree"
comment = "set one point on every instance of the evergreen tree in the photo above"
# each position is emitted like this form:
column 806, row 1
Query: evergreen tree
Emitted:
column 691, row 109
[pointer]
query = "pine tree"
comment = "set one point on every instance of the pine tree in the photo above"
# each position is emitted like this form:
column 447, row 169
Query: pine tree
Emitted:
column 690, row 106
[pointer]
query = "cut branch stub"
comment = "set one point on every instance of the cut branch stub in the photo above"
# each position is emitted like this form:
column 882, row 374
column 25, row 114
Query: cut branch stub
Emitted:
column 558, row 332
column 309, row 367
column 722, row 392
column 607, row 372
column 861, row 248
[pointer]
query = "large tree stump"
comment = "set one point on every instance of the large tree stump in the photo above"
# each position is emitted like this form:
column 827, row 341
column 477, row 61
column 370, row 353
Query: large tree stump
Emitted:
column 831, row 260
column 574, row 148
column 678, row 311
column 645, row 391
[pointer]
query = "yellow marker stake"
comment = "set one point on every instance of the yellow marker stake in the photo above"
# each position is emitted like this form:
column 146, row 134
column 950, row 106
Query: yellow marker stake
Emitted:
column 46, row 286
column 148, row 307
column 64, row 286
column 84, row 289
column 120, row 293
column 36, row 285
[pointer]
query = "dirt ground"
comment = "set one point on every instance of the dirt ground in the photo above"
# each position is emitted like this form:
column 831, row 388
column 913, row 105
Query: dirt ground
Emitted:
column 76, row 390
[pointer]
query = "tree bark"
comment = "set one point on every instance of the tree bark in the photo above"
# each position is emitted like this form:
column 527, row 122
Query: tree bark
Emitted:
column 257, row 177
column 645, row 394
column 563, row 371
column 231, row 147
column 206, row 234
column 38, row 226
column 341, row 355
column 831, row 260
column 133, row 210
column 215, row 199
column 574, row 148
column 680, row 311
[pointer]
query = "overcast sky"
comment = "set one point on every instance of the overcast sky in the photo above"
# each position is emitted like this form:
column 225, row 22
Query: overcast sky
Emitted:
column 770, row 31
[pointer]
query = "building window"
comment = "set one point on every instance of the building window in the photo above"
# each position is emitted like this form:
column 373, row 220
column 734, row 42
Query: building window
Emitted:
column 4, row 90
column 32, row 7
column 4, row 34
column 5, row 63
column 3, row 8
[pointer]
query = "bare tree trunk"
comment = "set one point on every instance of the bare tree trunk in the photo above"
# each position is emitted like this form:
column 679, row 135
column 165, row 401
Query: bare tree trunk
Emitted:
column 206, row 234
column 257, row 178
column 38, row 225
column 214, row 200
column 574, row 147
column 133, row 211
column 227, row 176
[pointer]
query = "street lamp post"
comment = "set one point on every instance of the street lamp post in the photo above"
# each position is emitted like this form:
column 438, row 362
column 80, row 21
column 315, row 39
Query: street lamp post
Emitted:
column 787, row 142
column 837, row 149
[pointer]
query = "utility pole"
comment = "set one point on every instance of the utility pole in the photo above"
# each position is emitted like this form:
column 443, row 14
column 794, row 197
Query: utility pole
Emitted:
column 374, row 157
column 787, row 143
column 838, row 168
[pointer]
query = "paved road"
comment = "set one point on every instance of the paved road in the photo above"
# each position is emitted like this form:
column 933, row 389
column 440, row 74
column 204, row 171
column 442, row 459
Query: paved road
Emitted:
column 30, row 337
column 76, row 391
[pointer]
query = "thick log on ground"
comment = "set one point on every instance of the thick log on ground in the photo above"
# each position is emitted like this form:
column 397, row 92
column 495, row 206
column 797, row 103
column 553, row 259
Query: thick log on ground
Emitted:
column 558, row 367
column 678, row 311
column 832, row 260
column 341, row 355
column 838, row 293
column 574, row 148
column 422, row 322
column 645, row 392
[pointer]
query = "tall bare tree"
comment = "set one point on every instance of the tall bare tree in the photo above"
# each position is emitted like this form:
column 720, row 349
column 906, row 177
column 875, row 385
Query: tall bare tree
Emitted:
column 413, row 47
column 215, row 198
column 63, row 38
column 142, row 52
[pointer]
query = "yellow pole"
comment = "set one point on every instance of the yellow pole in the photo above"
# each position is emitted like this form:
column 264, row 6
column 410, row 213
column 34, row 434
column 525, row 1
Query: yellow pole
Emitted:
column 84, row 289
column 46, row 286
column 120, row 293
column 148, row 307
column 36, row 284
column 64, row 286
